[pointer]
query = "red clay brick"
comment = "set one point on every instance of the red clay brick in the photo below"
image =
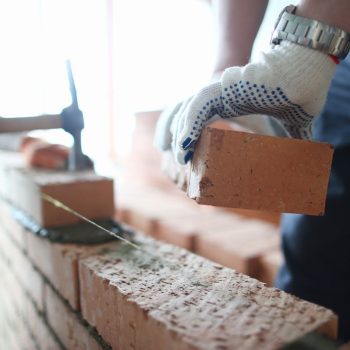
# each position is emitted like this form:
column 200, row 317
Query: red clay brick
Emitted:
column 269, row 217
column 12, row 306
column 170, row 217
column 38, row 327
column 239, row 247
column 20, row 278
column 184, row 231
column 89, row 194
column 30, row 279
column 11, row 225
column 270, row 264
column 24, row 317
column 141, row 220
column 59, row 263
column 7, row 248
column 178, row 232
column 147, row 206
column 25, row 340
column 162, row 297
column 243, row 170
column 67, row 325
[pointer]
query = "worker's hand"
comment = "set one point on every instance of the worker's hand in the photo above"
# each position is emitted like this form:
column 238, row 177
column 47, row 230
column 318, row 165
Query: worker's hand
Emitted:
column 289, row 82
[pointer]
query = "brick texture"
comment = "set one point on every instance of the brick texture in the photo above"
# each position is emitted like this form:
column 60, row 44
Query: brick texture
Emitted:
column 233, row 240
column 162, row 297
column 143, row 207
column 43, row 335
column 189, row 230
column 88, row 193
column 268, row 216
column 239, row 247
column 32, row 315
column 242, row 170
column 30, row 279
column 11, row 226
column 26, row 327
column 68, row 296
column 59, row 264
column 67, row 324
column 11, row 307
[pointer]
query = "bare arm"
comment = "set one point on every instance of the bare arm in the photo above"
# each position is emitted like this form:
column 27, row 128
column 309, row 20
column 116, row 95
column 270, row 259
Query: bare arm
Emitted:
column 236, row 25
column 333, row 12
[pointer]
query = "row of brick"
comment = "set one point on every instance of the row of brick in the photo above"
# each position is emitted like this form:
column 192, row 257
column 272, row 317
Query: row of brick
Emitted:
column 158, row 296
column 248, row 245
column 19, row 317
column 42, row 290
column 154, row 298
column 162, row 297
column 23, row 325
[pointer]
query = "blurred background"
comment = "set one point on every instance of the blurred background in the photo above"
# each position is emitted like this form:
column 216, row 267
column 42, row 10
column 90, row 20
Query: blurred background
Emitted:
column 128, row 56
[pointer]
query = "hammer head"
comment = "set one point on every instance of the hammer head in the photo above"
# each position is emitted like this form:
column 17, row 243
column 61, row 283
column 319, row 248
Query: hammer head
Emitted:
column 73, row 123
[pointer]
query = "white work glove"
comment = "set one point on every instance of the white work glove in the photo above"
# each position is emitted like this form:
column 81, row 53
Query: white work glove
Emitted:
column 289, row 82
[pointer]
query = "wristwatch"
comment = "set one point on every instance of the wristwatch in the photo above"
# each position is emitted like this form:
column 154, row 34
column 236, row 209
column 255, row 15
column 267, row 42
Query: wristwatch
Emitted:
column 310, row 33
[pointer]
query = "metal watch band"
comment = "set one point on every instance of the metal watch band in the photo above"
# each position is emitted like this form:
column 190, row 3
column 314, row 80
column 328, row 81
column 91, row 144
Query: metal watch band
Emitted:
column 311, row 33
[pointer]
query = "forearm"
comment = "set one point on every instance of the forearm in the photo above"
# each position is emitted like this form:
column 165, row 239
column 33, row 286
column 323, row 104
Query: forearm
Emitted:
column 237, row 23
column 332, row 12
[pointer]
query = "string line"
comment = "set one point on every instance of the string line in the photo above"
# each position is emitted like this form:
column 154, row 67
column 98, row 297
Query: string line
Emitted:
column 59, row 204
column 64, row 207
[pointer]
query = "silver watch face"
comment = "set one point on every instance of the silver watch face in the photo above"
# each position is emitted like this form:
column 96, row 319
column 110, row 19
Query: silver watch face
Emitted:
column 310, row 33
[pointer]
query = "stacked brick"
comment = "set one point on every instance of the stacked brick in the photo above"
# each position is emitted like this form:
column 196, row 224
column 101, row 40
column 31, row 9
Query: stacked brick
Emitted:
column 113, row 296
column 39, row 305
column 155, row 297
column 236, row 241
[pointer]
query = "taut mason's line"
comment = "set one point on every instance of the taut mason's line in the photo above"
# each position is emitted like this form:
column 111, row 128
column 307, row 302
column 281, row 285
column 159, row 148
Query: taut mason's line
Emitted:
column 61, row 205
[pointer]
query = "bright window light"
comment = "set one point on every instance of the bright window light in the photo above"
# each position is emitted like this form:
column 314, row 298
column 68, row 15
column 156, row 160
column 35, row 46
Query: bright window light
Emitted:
column 163, row 52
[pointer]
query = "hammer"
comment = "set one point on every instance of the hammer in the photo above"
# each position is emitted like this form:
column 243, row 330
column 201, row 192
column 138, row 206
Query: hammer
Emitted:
column 71, row 120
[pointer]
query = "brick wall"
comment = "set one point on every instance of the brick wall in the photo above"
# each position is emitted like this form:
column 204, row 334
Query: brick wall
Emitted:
column 68, row 296
column 39, row 294
column 236, row 241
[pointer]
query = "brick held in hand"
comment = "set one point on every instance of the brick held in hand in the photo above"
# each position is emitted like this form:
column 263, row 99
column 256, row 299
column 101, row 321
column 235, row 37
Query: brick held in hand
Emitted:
column 243, row 170
column 39, row 153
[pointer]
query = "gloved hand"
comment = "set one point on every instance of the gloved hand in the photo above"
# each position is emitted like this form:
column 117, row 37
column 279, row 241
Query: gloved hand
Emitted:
column 289, row 82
